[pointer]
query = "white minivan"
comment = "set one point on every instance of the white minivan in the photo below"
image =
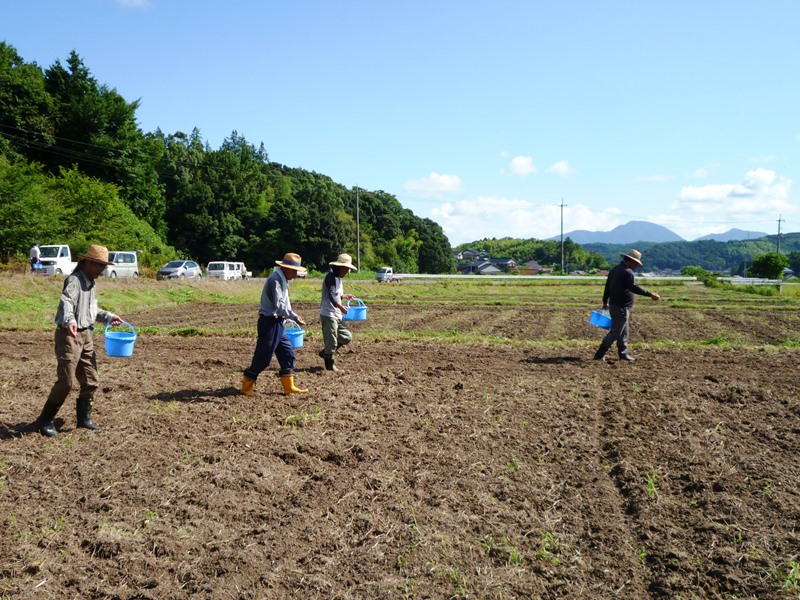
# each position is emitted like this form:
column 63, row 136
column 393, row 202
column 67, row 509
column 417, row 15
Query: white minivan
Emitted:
column 126, row 264
column 220, row 269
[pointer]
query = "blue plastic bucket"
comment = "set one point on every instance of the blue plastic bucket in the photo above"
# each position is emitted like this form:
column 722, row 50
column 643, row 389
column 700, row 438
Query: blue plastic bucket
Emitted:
column 120, row 343
column 295, row 333
column 600, row 318
column 358, row 312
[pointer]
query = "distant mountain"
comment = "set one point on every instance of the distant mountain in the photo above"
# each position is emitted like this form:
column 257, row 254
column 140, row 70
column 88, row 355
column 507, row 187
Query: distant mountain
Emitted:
column 733, row 235
column 633, row 231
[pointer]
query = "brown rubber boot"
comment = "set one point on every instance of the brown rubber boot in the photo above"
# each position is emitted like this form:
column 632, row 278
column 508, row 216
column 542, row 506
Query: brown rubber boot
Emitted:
column 247, row 386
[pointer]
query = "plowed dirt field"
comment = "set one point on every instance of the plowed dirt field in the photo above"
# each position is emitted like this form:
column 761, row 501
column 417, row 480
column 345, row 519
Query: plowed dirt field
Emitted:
column 461, row 452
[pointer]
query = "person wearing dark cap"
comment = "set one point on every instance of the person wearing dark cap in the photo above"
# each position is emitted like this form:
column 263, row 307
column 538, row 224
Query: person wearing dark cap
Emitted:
column 77, row 361
column 272, row 339
column 618, row 299
column 335, row 333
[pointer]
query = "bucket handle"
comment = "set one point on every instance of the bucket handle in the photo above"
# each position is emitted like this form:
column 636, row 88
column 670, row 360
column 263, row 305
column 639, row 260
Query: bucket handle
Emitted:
column 120, row 325
column 291, row 324
column 359, row 301
column 603, row 311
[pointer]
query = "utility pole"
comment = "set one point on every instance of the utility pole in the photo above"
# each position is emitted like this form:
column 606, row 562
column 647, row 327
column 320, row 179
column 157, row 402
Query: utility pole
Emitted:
column 562, row 235
column 358, row 233
column 778, row 249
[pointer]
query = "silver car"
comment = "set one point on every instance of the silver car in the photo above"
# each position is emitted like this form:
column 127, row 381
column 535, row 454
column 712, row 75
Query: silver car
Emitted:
column 126, row 264
column 180, row 269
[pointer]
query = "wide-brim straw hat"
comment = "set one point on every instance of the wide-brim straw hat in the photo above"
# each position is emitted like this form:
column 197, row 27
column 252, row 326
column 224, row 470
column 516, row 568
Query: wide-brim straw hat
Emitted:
column 344, row 260
column 633, row 255
column 291, row 261
column 98, row 254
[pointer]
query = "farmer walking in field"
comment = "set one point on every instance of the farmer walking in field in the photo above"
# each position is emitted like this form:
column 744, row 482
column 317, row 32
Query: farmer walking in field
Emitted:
column 77, row 361
column 272, row 339
column 618, row 299
column 335, row 333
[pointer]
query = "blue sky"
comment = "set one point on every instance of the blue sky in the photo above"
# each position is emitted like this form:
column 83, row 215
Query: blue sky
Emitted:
column 483, row 116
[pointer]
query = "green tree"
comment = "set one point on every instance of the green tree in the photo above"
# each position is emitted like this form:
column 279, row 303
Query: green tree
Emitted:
column 794, row 261
column 25, row 106
column 769, row 265
column 95, row 129
column 29, row 209
column 435, row 253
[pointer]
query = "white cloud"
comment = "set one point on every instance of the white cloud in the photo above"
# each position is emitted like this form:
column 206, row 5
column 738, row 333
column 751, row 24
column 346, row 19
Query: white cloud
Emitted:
column 435, row 185
column 759, row 199
column 704, row 171
column 562, row 168
column 755, row 203
column 497, row 217
column 521, row 166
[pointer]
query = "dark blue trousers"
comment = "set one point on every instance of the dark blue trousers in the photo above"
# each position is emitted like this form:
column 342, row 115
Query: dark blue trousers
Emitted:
column 271, row 340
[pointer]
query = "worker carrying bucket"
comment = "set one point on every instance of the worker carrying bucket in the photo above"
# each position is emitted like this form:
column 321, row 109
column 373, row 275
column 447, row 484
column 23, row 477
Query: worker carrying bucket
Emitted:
column 74, row 343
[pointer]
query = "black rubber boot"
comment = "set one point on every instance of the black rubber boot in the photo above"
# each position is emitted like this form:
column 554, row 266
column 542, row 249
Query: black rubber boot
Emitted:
column 47, row 428
column 329, row 366
column 44, row 424
column 84, row 410
column 601, row 352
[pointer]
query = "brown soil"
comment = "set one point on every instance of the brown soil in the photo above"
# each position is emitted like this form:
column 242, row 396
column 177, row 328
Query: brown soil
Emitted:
column 514, row 467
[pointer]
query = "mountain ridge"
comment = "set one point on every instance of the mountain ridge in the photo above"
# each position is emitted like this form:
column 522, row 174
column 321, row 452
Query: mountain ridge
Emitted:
column 644, row 231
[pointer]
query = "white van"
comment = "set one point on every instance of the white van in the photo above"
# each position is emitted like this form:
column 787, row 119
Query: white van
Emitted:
column 227, row 271
column 243, row 270
column 126, row 264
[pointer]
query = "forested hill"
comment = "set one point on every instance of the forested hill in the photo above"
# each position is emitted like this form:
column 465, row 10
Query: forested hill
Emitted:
column 731, row 256
column 76, row 168
column 723, row 257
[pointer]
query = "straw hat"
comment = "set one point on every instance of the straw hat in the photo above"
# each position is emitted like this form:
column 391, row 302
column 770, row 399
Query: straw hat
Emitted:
column 344, row 260
column 290, row 261
column 633, row 255
column 98, row 254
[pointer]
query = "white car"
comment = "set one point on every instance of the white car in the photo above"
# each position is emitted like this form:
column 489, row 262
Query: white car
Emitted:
column 243, row 270
column 126, row 264
column 224, row 270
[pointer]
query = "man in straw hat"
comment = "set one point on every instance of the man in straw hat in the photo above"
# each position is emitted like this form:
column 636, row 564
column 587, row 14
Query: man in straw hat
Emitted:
column 618, row 298
column 272, row 339
column 77, row 361
column 335, row 333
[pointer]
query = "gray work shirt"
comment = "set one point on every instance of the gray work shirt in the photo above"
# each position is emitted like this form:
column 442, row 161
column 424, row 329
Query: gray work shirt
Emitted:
column 275, row 297
column 78, row 303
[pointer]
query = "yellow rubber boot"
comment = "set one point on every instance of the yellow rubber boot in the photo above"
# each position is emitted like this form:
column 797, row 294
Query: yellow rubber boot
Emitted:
column 289, row 387
column 247, row 386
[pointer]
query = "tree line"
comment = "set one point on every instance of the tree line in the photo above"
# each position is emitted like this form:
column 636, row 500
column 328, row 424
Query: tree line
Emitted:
column 735, row 257
column 547, row 253
column 762, row 257
column 76, row 168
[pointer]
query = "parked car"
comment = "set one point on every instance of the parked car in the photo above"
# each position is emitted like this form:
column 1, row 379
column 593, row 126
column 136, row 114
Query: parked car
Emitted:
column 220, row 269
column 180, row 269
column 56, row 260
column 126, row 264
column 243, row 270
column 386, row 275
